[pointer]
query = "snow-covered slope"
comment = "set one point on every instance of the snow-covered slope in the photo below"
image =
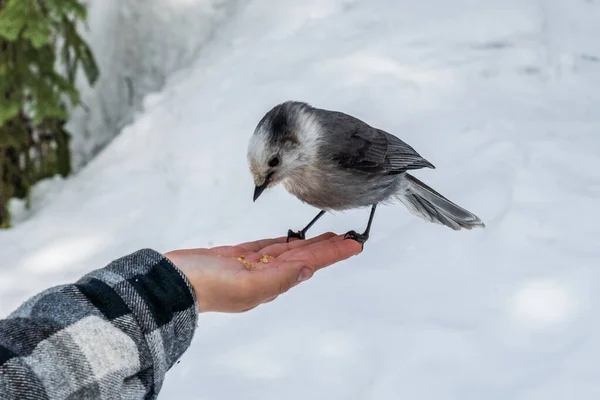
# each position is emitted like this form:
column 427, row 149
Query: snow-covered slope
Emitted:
column 500, row 95
column 138, row 44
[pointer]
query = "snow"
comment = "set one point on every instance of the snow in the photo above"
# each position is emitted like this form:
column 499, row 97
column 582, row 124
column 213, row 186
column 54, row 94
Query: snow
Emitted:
column 138, row 44
column 500, row 95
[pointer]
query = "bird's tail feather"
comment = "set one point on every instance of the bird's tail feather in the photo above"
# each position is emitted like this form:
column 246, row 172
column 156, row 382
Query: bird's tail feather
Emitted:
column 424, row 202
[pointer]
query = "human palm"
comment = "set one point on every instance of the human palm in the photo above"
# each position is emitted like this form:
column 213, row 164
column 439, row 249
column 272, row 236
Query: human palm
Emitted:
column 239, row 278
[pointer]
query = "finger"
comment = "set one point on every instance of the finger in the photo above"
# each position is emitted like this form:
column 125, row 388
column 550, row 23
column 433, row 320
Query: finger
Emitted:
column 272, row 282
column 270, row 299
column 275, row 250
column 244, row 248
column 323, row 254
column 250, row 247
column 289, row 255
column 249, row 309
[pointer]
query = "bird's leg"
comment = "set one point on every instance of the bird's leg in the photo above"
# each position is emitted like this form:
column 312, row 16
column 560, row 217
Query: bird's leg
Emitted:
column 302, row 234
column 362, row 237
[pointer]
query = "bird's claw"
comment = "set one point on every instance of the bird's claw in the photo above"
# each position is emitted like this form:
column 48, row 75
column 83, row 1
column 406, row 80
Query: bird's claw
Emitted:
column 295, row 235
column 358, row 237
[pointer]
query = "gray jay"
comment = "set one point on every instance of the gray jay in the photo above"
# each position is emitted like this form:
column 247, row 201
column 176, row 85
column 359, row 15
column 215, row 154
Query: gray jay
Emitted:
column 334, row 161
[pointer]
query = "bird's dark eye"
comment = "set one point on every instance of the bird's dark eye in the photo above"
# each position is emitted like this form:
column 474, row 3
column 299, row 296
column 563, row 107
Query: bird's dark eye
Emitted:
column 273, row 162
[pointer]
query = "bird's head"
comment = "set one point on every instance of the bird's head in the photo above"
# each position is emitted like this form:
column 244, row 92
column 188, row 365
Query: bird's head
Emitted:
column 284, row 142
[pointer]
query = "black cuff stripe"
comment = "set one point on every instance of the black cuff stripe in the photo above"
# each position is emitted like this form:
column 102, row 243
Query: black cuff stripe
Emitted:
column 104, row 298
column 164, row 291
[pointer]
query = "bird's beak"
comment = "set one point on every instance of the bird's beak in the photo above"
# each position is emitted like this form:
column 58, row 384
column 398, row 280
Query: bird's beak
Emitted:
column 259, row 189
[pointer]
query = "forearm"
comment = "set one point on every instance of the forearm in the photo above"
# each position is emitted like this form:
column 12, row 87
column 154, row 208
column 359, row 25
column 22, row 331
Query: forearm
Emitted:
column 114, row 332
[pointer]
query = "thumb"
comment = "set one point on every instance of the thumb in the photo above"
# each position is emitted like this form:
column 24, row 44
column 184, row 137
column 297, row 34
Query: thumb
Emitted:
column 278, row 280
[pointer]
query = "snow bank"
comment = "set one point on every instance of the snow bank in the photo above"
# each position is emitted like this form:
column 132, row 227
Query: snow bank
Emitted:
column 500, row 95
column 138, row 45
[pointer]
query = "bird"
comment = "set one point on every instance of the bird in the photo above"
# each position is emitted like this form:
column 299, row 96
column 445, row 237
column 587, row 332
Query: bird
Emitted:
column 335, row 162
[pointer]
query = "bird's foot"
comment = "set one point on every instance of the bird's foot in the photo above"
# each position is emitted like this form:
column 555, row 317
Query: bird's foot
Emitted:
column 295, row 235
column 359, row 237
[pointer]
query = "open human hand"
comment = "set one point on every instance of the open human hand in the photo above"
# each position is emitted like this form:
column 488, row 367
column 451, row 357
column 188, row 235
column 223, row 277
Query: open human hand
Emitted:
column 239, row 278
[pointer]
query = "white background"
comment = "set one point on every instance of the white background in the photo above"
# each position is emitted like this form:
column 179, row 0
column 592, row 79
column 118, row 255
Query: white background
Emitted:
column 501, row 95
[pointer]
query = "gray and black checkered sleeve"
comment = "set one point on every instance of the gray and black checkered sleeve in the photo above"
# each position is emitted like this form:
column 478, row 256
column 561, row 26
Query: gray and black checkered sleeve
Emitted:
column 111, row 335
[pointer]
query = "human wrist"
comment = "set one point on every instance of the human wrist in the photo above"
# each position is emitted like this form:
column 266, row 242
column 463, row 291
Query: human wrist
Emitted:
column 176, row 259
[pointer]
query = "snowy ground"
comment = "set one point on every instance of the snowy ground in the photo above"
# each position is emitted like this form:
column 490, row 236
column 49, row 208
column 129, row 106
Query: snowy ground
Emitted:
column 502, row 96
column 138, row 44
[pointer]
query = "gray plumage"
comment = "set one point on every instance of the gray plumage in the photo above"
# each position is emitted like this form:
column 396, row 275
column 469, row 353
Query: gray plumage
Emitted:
column 334, row 161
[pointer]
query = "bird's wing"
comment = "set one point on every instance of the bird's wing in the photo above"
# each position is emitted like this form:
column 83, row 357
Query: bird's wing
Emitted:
column 366, row 149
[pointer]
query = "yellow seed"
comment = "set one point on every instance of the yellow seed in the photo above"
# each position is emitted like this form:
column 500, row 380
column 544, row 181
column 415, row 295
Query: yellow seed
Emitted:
column 246, row 263
column 265, row 258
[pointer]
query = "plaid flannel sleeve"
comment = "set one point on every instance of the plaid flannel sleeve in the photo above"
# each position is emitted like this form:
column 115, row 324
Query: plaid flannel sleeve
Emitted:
column 111, row 335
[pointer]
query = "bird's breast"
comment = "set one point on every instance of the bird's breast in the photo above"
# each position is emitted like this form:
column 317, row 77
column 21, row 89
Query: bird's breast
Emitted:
column 337, row 189
column 307, row 186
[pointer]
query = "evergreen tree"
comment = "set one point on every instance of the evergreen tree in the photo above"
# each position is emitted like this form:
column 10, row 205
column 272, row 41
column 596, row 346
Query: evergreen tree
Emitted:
column 40, row 54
